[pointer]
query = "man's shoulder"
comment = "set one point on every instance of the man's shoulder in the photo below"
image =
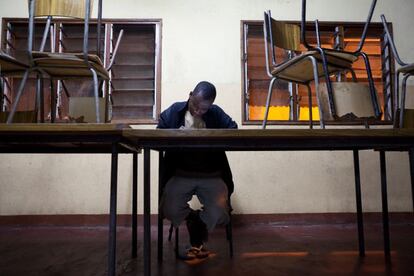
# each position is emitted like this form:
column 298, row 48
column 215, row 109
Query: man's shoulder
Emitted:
column 177, row 106
column 216, row 108
column 172, row 116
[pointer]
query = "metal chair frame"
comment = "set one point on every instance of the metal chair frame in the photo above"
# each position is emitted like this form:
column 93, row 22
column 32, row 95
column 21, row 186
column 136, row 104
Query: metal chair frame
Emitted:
column 406, row 69
column 86, row 58
column 357, row 53
column 268, row 39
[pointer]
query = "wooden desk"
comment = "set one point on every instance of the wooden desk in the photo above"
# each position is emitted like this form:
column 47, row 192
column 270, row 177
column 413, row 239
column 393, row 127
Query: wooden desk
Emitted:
column 270, row 140
column 77, row 138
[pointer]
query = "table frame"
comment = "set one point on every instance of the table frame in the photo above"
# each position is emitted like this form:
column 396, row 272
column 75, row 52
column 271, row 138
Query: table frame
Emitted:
column 276, row 140
column 79, row 138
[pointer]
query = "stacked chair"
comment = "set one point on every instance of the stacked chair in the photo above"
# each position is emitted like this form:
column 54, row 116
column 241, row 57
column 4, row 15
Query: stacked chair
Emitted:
column 62, row 66
column 315, row 63
column 405, row 70
column 403, row 117
column 339, row 101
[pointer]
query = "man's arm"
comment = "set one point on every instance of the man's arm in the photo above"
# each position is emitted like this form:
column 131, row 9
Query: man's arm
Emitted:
column 162, row 122
column 167, row 118
column 224, row 120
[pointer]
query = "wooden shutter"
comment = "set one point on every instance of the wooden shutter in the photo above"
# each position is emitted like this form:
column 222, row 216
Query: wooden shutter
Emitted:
column 70, row 40
column 257, row 78
column 15, row 44
column 133, row 74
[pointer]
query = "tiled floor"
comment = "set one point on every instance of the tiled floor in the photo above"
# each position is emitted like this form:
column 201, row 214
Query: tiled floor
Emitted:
column 260, row 249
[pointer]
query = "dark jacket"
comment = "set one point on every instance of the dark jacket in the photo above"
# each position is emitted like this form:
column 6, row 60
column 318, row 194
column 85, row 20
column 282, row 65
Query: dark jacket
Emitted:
column 198, row 161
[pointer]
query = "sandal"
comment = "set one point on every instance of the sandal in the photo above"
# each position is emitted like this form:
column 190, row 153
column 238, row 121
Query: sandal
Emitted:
column 195, row 252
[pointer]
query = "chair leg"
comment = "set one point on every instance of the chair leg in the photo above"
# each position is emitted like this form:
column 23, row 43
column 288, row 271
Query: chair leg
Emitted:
column 396, row 99
column 229, row 234
column 310, row 106
column 411, row 157
column 385, row 221
column 327, row 80
column 38, row 101
column 134, row 204
column 41, row 96
column 354, row 77
column 177, row 235
column 106, row 93
column 160, row 238
column 269, row 98
column 53, row 99
column 371, row 85
column 170, row 231
column 316, row 80
column 96, row 94
column 403, row 93
column 361, row 240
column 160, row 216
column 1, row 93
column 17, row 99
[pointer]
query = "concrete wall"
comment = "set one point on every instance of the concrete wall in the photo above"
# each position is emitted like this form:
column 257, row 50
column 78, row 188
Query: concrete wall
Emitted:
column 201, row 41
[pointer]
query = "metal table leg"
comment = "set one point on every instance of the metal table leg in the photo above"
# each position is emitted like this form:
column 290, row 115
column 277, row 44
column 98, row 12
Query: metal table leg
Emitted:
column 361, row 240
column 147, row 215
column 385, row 222
column 134, row 203
column 160, row 218
column 112, row 211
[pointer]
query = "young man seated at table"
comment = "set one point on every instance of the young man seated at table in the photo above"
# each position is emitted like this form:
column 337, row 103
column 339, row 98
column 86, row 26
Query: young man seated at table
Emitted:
column 203, row 173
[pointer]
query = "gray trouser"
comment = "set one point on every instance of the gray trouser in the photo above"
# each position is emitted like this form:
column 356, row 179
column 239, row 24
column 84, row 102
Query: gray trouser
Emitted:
column 211, row 192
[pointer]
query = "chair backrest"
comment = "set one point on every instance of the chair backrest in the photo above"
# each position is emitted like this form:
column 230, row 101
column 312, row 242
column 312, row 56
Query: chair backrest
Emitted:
column 279, row 34
column 364, row 32
column 80, row 9
column 62, row 8
column 352, row 102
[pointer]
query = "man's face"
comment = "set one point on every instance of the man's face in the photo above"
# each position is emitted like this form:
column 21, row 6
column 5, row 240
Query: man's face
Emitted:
column 197, row 105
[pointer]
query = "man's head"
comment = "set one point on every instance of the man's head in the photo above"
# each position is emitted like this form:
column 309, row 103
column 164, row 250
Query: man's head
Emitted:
column 201, row 98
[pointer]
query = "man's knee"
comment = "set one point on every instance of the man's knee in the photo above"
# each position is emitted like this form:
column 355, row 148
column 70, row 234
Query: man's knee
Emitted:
column 215, row 215
column 176, row 213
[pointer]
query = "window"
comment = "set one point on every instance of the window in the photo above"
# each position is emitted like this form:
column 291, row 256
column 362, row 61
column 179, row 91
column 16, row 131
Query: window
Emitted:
column 134, row 88
column 289, row 103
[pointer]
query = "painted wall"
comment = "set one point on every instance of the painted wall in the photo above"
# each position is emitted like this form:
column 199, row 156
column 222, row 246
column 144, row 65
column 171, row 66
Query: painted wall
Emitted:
column 201, row 41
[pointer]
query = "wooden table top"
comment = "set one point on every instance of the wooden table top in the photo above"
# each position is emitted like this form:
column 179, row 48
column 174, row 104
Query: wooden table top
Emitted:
column 92, row 138
column 61, row 128
column 272, row 139
column 61, row 138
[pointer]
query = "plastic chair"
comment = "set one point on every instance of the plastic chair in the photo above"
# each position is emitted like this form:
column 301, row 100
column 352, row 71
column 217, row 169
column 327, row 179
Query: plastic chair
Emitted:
column 68, row 65
column 406, row 70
